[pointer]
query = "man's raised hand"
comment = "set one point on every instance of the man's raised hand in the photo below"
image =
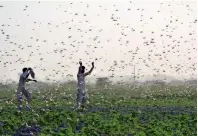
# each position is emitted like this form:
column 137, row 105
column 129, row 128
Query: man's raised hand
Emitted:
column 80, row 63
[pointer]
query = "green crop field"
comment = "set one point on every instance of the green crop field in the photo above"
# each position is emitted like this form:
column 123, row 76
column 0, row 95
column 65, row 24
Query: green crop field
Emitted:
column 111, row 111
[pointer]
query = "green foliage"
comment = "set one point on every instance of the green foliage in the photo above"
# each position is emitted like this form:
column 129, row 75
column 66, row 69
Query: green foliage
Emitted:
column 115, row 110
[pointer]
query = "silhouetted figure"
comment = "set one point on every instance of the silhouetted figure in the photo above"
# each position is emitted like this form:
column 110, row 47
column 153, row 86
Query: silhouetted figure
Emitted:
column 21, row 87
column 81, row 94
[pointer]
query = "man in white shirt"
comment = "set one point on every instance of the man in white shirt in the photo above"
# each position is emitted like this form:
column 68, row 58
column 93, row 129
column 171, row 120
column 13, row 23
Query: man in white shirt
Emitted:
column 21, row 87
column 81, row 94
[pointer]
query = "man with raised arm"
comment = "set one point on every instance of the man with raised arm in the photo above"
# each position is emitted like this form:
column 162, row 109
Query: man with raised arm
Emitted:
column 21, row 87
column 81, row 94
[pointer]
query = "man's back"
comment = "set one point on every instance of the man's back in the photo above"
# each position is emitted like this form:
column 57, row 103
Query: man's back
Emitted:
column 81, row 81
column 22, row 79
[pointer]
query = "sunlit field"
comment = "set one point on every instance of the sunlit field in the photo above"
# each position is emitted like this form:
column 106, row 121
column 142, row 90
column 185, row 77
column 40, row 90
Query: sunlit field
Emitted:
column 112, row 110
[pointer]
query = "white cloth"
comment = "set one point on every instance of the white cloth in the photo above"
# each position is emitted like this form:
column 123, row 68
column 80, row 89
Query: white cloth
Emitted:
column 22, row 81
column 81, row 94
column 81, row 83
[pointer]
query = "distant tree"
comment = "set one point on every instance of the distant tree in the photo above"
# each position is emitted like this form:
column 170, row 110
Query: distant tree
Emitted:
column 192, row 82
column 159, row 82
column 155, row 82
column 102, row 81
column 72, row 82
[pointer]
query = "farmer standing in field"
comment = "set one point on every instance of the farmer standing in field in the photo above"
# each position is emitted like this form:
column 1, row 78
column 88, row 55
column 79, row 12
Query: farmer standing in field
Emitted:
column 21, row 87
column 81, row 94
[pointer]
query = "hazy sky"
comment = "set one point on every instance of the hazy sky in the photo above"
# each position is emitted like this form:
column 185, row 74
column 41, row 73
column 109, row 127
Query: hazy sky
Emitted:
column 52, row 37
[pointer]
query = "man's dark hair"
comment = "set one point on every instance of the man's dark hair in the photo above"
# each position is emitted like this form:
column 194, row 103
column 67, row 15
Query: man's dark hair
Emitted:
column 24, row 69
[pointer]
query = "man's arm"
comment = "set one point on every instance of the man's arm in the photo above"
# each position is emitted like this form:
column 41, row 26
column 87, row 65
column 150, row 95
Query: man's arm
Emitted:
column 89, row 72
column 27, row 80
column 79, row 69
column 31, row 72
column 25, row 74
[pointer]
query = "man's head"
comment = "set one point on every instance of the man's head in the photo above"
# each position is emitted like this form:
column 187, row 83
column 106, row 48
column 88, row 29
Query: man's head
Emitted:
column 24, row 69
column 83, row 69
column 31, row 72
